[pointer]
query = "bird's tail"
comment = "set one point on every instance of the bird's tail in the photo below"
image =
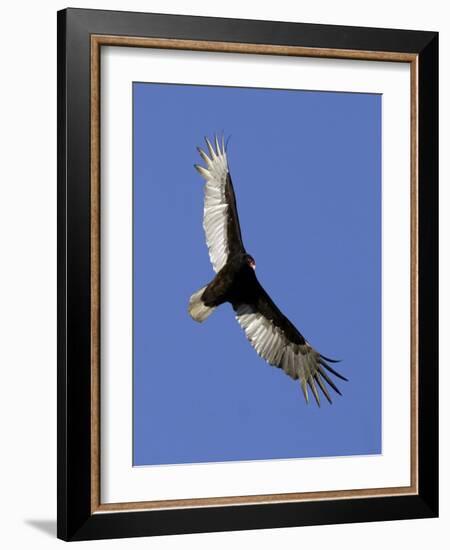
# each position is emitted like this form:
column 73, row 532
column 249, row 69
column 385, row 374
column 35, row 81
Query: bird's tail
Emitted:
column 197, row 308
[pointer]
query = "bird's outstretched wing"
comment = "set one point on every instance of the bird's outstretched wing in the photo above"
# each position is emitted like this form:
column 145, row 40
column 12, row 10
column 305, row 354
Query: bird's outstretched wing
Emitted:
column 220, row 217
column 277, row 340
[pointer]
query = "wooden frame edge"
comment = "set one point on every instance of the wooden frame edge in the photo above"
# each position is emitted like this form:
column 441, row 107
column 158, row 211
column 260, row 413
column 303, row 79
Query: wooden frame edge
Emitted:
column 95, row 273
column 262, row 49
column 244, row 500
column 238, row 47
column 414, row 273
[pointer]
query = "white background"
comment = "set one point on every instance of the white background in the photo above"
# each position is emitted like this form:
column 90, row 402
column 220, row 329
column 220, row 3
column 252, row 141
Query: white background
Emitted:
column 28, row 274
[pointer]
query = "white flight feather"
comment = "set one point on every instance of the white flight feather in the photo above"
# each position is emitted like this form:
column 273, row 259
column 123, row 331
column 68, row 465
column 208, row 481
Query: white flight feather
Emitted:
column 298, row 361
column 215, row 210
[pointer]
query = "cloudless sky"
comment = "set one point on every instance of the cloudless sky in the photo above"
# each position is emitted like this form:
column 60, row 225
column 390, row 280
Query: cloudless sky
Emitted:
column 306, row 168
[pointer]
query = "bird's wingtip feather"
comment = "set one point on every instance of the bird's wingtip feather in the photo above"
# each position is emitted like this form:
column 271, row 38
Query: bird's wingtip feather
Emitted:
column 330, row 360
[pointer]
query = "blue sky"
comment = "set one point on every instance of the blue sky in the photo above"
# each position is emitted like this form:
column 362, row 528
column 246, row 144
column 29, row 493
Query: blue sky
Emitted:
column 306, row 168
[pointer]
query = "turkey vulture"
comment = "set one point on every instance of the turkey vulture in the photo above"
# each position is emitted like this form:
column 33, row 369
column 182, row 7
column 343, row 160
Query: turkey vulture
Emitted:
column 272, row 335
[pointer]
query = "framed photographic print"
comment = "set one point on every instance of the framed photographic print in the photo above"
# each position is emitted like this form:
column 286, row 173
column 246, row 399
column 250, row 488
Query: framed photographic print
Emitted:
column 247, row 255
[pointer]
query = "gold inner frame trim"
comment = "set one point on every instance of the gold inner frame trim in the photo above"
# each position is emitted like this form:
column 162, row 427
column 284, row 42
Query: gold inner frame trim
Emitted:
column 243, row 48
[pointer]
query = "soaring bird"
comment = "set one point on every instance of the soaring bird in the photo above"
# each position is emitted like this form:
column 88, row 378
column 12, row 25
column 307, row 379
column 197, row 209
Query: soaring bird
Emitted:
column 271, row 334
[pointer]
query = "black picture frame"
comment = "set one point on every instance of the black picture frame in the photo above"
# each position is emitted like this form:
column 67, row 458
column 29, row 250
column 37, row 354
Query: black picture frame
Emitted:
column 75, row 518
